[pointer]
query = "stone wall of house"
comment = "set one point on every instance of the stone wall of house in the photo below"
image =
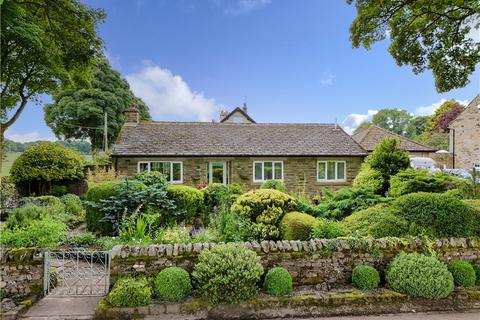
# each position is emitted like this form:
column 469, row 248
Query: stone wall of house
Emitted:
column 300, row 173
column 21, row 272
column 324, row 263
column 465, row 134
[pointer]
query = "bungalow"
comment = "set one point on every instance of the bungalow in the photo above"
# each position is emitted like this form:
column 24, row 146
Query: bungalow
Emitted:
column 306, row 157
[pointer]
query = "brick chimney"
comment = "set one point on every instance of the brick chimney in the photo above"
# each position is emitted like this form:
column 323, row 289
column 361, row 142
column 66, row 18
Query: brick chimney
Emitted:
column 132, row 117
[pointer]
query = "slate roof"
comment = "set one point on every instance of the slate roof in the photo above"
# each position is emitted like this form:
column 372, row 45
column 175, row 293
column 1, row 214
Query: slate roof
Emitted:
column 233, row 139
column 369, row 137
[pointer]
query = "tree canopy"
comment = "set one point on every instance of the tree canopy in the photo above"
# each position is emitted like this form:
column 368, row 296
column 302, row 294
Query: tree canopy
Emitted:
column 44, row 44
column 79, row 113
column 395, row 120
column 425, row 34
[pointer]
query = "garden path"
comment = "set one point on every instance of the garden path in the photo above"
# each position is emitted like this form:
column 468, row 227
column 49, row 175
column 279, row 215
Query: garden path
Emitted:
column 56, row 308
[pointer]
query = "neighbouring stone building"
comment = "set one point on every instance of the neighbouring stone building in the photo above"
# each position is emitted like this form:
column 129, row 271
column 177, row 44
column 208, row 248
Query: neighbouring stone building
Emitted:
column 465, row 137
column 371, row 136
column 306, row 157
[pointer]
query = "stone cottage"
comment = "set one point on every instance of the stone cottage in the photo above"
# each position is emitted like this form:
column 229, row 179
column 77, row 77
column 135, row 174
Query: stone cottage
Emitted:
column 306, row 157
column 464, row 137
column 371, row 136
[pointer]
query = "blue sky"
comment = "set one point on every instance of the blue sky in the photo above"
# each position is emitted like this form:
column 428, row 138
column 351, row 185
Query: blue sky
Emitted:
column 291, row 59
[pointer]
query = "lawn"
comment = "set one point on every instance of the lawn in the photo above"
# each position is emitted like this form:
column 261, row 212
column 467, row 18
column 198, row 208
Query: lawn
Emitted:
column 10, row 158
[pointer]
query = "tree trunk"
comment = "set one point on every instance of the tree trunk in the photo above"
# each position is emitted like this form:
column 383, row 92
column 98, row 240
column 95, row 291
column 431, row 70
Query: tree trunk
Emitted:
column 2, row 139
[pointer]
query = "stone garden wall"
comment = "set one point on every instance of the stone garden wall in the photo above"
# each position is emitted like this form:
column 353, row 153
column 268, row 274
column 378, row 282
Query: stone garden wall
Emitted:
column 21, row 273
column 323, row 263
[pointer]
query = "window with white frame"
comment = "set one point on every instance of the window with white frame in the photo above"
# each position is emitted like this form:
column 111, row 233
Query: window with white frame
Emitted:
column 331, row 170
column 267, row 170
column 477, row 166
column 173, row 170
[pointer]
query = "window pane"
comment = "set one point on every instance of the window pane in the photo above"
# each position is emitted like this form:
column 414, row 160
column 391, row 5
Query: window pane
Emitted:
column 321, row 171
column 166, row 170
column 268, row 170
column 156, row 166
column 258, row 171
column 331, row 170
column 217, row 173
column 341, row 170
column 177, row 171
column 278, row 171
column 143, row 166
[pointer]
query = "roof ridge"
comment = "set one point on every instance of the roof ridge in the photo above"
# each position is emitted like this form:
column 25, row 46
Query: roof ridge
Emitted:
column 401, row 137
column 243, row 124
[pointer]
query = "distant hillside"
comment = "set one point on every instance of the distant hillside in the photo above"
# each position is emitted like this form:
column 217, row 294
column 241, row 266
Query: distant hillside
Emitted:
column 83, row 147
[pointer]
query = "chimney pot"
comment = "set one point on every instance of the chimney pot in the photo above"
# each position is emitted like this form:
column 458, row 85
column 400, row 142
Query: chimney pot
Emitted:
column 132, row 116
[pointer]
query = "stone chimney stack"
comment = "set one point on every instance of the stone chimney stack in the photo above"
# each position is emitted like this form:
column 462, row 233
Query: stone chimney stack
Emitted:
column 132, row 117
column 223, row 114
column 244, row 108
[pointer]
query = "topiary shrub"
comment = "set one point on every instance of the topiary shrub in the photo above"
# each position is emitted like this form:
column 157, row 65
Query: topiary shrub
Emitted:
column 188, row 200
column 273, row 184
column 417, row 180
column 378, row 222
column 278, row 282
column 227, row 273
column 365, row 277
column 297, row 226
column 263, row 210
column 345, row 201
column 130, row 292
column 45, row 164
column 437, row 214
column 475, row 206
column 93, row 215
column 327, row 229
column 476, row 267
column 173, row 284
column 463, row 273
column 419, row 276
column 369, row 178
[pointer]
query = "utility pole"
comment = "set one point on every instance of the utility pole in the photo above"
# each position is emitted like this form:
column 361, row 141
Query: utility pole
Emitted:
column 105, row 133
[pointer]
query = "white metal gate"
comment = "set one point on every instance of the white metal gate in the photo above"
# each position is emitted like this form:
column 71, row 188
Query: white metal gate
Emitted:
column 76, row 272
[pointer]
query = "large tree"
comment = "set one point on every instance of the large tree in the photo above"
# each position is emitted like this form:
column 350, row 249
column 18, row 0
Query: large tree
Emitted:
column 416, row 126
column 426, row 34
column 44, row 45
column 79, row 113
column 395, row 120
column 445, row 108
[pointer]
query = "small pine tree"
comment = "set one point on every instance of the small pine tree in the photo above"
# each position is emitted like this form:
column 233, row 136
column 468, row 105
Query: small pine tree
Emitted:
column 388, row 158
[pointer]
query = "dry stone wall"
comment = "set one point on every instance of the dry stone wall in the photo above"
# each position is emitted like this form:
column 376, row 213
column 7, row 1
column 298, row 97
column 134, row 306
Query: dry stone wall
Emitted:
column 325, row 263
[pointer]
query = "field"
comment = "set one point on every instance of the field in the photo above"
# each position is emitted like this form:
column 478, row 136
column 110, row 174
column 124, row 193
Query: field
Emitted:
column 10, row 158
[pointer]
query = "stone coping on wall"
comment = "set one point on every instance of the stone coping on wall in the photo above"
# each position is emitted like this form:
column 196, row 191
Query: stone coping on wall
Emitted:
column 318, row 304
column 120, row 252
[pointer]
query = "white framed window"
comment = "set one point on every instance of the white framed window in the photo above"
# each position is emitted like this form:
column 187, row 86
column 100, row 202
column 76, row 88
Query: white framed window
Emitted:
column 477, row 166
column 331, row 171
column 267, row 170
column 173, row 170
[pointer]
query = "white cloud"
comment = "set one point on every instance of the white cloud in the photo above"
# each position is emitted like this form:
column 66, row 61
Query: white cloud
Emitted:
column 114, row 60
column 29, row 136
column 327, row 79
column 238, row 7
column 430, row 109
column 353, row 120
column 168, row 94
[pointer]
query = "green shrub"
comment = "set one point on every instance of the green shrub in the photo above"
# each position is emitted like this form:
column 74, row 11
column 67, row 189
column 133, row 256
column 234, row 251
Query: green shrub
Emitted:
column 58, row 191
column 73, row 204
column 273, row 184
column 263, row 210
column 94, row 216
column 172, row 235
column 236, row 189
column 230, row 226
column 43, row 201
column 43, row 233
column 23, row 217
column 388, row 158
column 437, row 214
column 343, row 202
column 365, row 277
column 475, row 206
column 83, row 239
column 476, row 267
column 369, row 178
column 417, row 180
column 188, row 201
column 215, row 194
column 327, row 229
column 297, row 226
column 463, row 273
column 278, row 282
column 130, row 292
column 43, row 164
column 419, row 276
column 377, row 222
column 227, row 273
column 173, row 284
